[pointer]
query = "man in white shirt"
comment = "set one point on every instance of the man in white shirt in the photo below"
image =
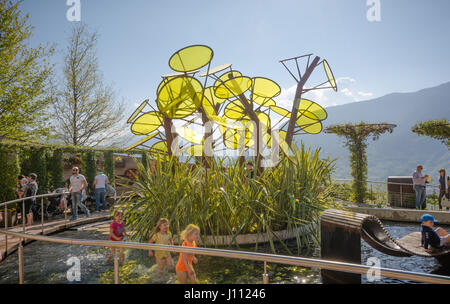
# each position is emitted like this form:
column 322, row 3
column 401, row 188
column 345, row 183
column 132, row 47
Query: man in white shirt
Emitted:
column 77, row 184
column 100, row 182
column 419, row 186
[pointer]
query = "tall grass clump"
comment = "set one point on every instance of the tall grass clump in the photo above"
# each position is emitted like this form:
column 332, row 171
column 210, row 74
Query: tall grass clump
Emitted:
column 222, row 200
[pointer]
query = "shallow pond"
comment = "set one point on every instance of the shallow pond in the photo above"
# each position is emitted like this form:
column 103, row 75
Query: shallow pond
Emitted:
column 47, row 263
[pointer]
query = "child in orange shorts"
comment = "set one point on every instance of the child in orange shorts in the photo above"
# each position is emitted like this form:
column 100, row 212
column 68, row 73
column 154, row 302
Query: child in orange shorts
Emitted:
column 184, row 267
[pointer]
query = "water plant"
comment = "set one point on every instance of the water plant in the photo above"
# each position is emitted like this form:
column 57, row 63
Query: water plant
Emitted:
column 222, row 200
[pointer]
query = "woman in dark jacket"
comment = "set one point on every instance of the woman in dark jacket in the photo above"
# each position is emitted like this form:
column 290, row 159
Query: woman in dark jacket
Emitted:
column 443, row 186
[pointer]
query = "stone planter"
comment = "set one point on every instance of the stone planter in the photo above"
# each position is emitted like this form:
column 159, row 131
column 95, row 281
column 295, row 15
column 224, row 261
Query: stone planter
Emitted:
column 246, row 239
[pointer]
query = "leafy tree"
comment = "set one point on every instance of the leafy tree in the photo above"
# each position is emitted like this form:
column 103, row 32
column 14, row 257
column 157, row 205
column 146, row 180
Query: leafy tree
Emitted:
column 437, row 129
column 356, row 136
column 86, row 110
column 24, row 72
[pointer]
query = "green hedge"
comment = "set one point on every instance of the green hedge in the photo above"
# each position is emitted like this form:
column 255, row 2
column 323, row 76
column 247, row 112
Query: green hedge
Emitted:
column 55, row 169
column 18, row 157
column 34, row 160
column 9, row 171
column 89, row 166
column 109, row 167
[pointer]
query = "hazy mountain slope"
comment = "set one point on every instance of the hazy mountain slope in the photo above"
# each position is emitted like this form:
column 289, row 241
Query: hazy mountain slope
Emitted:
column 397, row 153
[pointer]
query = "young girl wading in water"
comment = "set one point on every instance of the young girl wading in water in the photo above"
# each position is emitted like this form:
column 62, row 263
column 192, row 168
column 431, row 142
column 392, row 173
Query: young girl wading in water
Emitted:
column 117, row 233
column 162, row 236
column 184, row 267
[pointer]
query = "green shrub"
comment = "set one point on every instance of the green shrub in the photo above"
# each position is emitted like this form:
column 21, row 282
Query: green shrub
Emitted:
column 223, row 201
column 89, row 166
column 34, row 160
column 109, row 167
column 9, row 171
column 55, row 168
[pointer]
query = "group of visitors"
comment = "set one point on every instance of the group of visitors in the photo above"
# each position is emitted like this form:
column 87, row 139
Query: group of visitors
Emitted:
column 27, row 187
column 419, row 183
column 78, row 184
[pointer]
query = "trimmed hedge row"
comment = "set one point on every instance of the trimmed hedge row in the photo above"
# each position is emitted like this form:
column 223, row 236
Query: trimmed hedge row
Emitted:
column 47, row 161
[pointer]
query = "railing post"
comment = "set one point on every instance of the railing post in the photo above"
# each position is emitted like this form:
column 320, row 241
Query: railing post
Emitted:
column 116, row 266
column 401, row 196
column 6, row 229
column 20, row 256
column 42, row 215
column 65, row 211
column 23, row 215
column 265, row 275
column 371, row 193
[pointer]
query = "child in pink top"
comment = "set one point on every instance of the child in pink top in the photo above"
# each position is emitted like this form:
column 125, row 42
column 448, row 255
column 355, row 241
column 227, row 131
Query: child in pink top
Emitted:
column 117, row 233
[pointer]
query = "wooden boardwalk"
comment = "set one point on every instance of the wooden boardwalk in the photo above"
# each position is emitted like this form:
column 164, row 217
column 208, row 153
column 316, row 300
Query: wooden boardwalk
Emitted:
column 49, row 228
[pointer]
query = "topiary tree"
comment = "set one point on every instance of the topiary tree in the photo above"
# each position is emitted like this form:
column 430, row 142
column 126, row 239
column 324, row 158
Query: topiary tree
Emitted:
column 437, row 129
column 55, row 169
column 356, row 136
column 89, row 168
column 34, row 160
column 109, row 167
column 9, row 170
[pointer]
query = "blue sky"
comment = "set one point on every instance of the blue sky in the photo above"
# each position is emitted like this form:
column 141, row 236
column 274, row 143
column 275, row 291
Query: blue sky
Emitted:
column 406, row 51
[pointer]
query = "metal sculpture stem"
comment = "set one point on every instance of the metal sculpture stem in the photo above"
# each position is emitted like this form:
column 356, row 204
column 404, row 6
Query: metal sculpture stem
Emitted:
column 298, row 96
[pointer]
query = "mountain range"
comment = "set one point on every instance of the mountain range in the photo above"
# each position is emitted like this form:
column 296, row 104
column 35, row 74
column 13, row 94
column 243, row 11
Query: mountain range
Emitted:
column 398, row 153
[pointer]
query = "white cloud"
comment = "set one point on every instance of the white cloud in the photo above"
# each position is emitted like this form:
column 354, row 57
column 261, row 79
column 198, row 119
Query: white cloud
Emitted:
column 347, row 92
column 364, row 94
column 345, row 79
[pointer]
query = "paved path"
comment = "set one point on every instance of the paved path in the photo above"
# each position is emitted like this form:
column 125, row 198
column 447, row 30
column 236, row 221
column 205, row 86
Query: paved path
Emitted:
column 49, row 228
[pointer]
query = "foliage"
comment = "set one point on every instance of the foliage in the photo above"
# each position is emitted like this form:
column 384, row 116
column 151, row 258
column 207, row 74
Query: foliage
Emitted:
column 24, row 77
column 222, row 201
column 55, row 169
column 144, row 160
column 34, row 160
column 89, row 168
column 44, row 160
column 109, row 168
column 437, row 129
column 356, row 136
column 86, row 111
column 9, row 171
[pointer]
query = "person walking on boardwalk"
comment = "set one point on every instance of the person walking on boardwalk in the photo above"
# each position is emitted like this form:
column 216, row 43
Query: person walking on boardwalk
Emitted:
column 443, row 186
column 30, row 190
column 100, row 182
column 77, row 184
column 419, row 186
